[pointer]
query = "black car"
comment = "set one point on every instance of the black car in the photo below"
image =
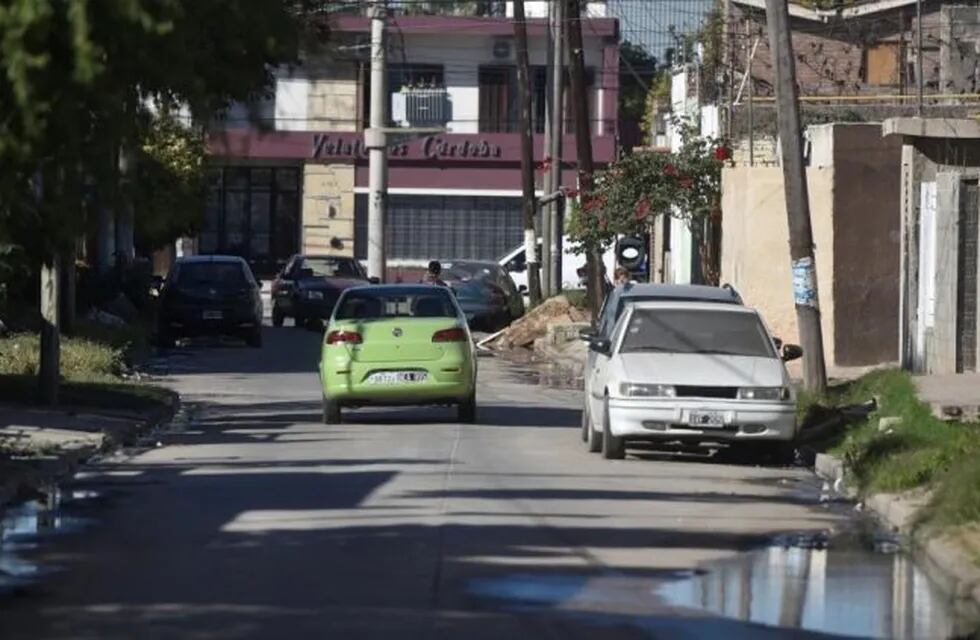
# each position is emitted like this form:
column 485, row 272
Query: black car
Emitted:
column 308, row 287
column 486, row 293
column 210, row 295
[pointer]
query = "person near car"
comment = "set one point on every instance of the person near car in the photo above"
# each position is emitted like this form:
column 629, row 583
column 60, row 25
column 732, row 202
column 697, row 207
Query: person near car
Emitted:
column 621, row 276
column 434, row 274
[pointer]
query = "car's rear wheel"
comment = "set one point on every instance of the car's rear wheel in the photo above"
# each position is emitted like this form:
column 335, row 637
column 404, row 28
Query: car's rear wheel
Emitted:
column 613, row 447
column 277, row 316
column 466, row 411
column 593, row 438
column 331, row 411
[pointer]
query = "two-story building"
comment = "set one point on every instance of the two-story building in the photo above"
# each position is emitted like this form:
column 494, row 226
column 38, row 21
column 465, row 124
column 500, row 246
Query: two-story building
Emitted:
column 291, row 174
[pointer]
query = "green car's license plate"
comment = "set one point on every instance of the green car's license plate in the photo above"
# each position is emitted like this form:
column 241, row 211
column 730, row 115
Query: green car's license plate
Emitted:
column 397, row 377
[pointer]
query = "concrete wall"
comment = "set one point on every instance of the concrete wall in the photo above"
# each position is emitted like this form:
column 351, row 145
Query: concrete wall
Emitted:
column 755, row 245
column 930, row 327
column 333, row 97
column 867, row 244
column 328, row 209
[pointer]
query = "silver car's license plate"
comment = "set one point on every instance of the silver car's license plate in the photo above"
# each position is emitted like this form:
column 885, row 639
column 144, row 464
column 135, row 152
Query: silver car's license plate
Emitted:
column 397, row 377
column 706, row 419
column 212, row 315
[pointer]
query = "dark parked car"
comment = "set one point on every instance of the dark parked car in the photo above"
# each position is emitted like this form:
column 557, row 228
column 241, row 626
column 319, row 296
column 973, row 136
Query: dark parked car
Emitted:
column 210, row 295
column 486, row 293
column 308, row 287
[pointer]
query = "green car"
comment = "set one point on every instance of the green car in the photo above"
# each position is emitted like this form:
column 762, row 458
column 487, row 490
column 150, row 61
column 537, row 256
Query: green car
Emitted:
column 396, row 345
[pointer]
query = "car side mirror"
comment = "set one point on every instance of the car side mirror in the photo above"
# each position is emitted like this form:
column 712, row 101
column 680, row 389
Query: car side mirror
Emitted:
column 600, row 345
column 792, row 352
column 587, row 335
column 374, row 280
column 522, row 288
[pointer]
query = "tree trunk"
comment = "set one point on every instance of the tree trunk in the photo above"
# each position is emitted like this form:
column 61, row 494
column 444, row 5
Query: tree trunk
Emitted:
column 529, row 205
column 50, row 356
column 583, row 143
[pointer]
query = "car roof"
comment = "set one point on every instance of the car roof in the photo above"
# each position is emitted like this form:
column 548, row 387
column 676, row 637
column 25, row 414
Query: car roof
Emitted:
column 210, row 258
column 321, row 256
column 692, row 305
column 398, row 289
column 680, row 292
column 482, row 263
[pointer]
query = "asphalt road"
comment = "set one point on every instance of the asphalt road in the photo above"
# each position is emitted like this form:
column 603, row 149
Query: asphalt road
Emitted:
column 254, row 520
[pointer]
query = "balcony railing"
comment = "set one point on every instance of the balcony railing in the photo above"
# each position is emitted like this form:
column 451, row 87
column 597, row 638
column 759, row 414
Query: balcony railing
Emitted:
column 421, row 107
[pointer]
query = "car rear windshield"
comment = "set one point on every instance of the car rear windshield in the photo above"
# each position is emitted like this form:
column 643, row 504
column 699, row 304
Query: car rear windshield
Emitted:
column 331, row 268
column 222, row 275
column 718, row 332
column 370, row 305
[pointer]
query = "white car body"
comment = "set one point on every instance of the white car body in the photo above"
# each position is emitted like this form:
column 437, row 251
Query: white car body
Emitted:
column 515, row 264
column 699, row 409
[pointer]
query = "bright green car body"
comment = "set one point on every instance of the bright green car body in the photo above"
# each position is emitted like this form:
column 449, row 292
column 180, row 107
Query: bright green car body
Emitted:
column 357, row 351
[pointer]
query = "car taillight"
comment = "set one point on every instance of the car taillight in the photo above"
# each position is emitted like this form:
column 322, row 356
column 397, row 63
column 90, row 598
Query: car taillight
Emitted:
column 450, row 335
column 343, row 337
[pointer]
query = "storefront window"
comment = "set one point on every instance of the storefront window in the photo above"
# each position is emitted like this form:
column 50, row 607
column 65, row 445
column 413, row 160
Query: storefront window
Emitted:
column 252, row 212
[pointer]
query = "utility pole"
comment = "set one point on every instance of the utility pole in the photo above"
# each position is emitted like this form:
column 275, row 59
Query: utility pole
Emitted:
column 557, row 126
column 583, row 142
column 919, row 80
column 375, row 140
column 547, row 289
column 529, row 205
column 805, row 292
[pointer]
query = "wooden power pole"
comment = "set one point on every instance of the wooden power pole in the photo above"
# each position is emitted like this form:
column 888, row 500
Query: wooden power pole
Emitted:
column 583, row 140
column 529, row 204
column 797, row 197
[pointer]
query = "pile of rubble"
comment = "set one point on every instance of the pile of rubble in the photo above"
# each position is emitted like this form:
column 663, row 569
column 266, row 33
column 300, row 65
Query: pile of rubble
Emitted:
column 533, row 327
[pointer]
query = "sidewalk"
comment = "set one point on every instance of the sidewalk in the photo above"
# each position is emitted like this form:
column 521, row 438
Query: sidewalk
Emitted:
column 952, row 396
column 39, row 446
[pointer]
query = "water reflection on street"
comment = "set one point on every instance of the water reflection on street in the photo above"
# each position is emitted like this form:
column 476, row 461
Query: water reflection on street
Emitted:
column 853, row 592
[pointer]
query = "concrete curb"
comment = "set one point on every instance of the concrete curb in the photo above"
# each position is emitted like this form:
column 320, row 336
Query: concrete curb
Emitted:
column 36, row 472
column 951, row 568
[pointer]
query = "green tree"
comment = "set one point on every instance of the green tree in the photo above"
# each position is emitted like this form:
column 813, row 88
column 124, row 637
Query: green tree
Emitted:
column 76, row 79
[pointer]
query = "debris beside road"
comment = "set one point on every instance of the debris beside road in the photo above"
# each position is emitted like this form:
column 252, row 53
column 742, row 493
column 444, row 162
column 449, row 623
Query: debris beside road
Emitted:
column 523, row 333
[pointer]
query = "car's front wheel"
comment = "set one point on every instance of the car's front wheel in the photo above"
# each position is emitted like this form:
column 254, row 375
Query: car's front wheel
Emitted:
column 613, row 447
column 593, row 438
column 466, row 411
column 331, row 411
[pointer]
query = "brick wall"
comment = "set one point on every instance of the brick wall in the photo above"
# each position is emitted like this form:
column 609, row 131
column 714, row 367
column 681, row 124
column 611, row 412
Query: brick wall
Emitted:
column 870, row 54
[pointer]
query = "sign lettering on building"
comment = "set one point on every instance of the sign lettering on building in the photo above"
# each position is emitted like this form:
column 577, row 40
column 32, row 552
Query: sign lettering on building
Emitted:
column 327, row 145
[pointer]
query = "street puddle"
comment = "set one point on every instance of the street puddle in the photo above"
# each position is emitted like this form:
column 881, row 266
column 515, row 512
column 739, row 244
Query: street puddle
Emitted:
column 856, row 586
column 24, row 525
column 837, row 586
column 545, row 374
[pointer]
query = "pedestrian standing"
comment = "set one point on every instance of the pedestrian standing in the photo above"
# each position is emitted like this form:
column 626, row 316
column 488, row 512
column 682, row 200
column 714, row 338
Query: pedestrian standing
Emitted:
column 434, row 274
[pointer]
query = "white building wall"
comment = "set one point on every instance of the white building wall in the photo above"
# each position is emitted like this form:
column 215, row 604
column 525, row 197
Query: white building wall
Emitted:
column 539, row 9
column 292, row 102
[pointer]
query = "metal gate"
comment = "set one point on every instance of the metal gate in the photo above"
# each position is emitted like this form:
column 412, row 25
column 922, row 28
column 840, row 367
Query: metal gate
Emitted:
column 422, row 227
column 966, row 282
